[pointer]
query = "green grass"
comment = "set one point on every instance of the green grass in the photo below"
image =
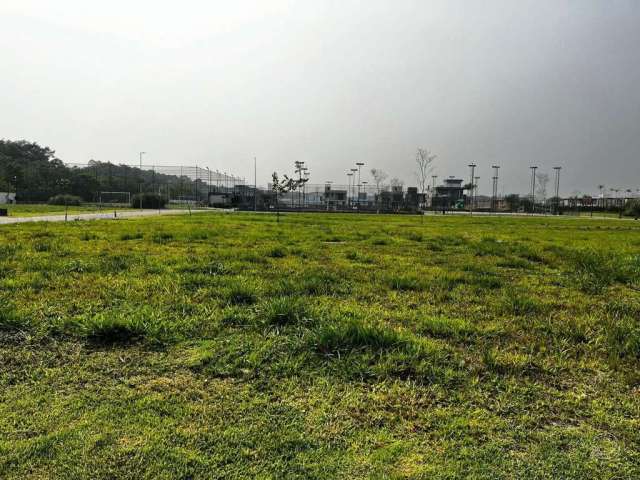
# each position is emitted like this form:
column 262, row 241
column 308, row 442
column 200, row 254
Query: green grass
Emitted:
column 326, row 346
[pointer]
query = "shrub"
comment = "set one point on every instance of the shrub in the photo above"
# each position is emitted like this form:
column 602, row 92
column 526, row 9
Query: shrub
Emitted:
column 148, row 200
column 65, row 199
column 632, row 209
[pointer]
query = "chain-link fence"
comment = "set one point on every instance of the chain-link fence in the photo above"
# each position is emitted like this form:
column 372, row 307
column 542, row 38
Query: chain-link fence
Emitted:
column 109, row 182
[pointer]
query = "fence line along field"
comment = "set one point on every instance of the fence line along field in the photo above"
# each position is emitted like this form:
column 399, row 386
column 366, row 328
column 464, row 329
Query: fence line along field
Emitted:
column 323, row 346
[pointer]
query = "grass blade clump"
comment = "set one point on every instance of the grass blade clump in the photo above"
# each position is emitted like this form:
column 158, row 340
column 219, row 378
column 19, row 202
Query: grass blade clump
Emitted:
column 594, row 270
column 283, row 311
column 405, row 283
column 351, row 335
column 242, row 292
column 112, row 327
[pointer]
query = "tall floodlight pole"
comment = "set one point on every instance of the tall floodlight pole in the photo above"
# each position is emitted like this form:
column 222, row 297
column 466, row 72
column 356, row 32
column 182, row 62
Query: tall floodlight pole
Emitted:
column 364, row 188
column 533, row 188
column 353, row 182
column 305, row 175
column 360, row 165
column 255, row 185
column 476, row 185
column 348, row 186
column 472, row 166
column 494, row 194
column 557, row 169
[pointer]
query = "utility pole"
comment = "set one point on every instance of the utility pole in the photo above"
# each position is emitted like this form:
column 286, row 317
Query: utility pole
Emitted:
column 255, row 184
column 472, row 166
column 533, row 188
column 557, row 169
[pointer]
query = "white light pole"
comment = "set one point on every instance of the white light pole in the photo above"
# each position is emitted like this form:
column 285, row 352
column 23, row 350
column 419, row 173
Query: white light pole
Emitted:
column 360, row 165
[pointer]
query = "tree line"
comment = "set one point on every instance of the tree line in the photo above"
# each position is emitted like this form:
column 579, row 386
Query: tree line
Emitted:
column 36, row 174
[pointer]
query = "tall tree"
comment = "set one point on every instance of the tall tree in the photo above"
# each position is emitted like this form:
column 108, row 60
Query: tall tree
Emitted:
column 379, row 176
column 424, row 163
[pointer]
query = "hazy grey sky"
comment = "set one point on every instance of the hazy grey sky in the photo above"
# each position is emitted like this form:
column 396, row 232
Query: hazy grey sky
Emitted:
column 331, row 83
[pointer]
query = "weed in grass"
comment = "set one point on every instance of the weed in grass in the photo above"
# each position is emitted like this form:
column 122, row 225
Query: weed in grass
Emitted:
column 9, row 319
column 42, row 247
column 88, row 236
column 509, row 363
column 111, row 327
column 414, row 236
column 380, row 241
column 132, row 236
column 242, row 292
column 485, row 281
column 623, row 336
column 116, row 263
column 520, row 304
column 162, row 237
column 514, row 262
column 359, row 257
column 405, row 283
column 238, row 316
column 283, row 311
column 8, row 251
column 489, row 246
column 277, row 252
column 323, row 283
column 594, row 270
column 349, row 335
column 444, row 327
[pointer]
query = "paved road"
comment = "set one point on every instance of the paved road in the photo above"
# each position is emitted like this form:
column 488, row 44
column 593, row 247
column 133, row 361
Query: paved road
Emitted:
column 96, row 216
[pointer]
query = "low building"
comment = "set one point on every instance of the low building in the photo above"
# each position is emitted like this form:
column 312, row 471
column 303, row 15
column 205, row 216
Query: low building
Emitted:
column 449, row 195
column 334, row 198
column 7, row 197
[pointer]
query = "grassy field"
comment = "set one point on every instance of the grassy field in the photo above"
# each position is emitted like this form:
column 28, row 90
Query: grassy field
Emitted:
column 328, row 346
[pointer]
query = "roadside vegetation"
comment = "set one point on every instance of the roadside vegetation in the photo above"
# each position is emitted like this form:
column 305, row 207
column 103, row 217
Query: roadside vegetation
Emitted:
column 323, row 346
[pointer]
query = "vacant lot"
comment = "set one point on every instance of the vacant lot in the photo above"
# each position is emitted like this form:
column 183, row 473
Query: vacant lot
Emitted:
column 228, row 346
